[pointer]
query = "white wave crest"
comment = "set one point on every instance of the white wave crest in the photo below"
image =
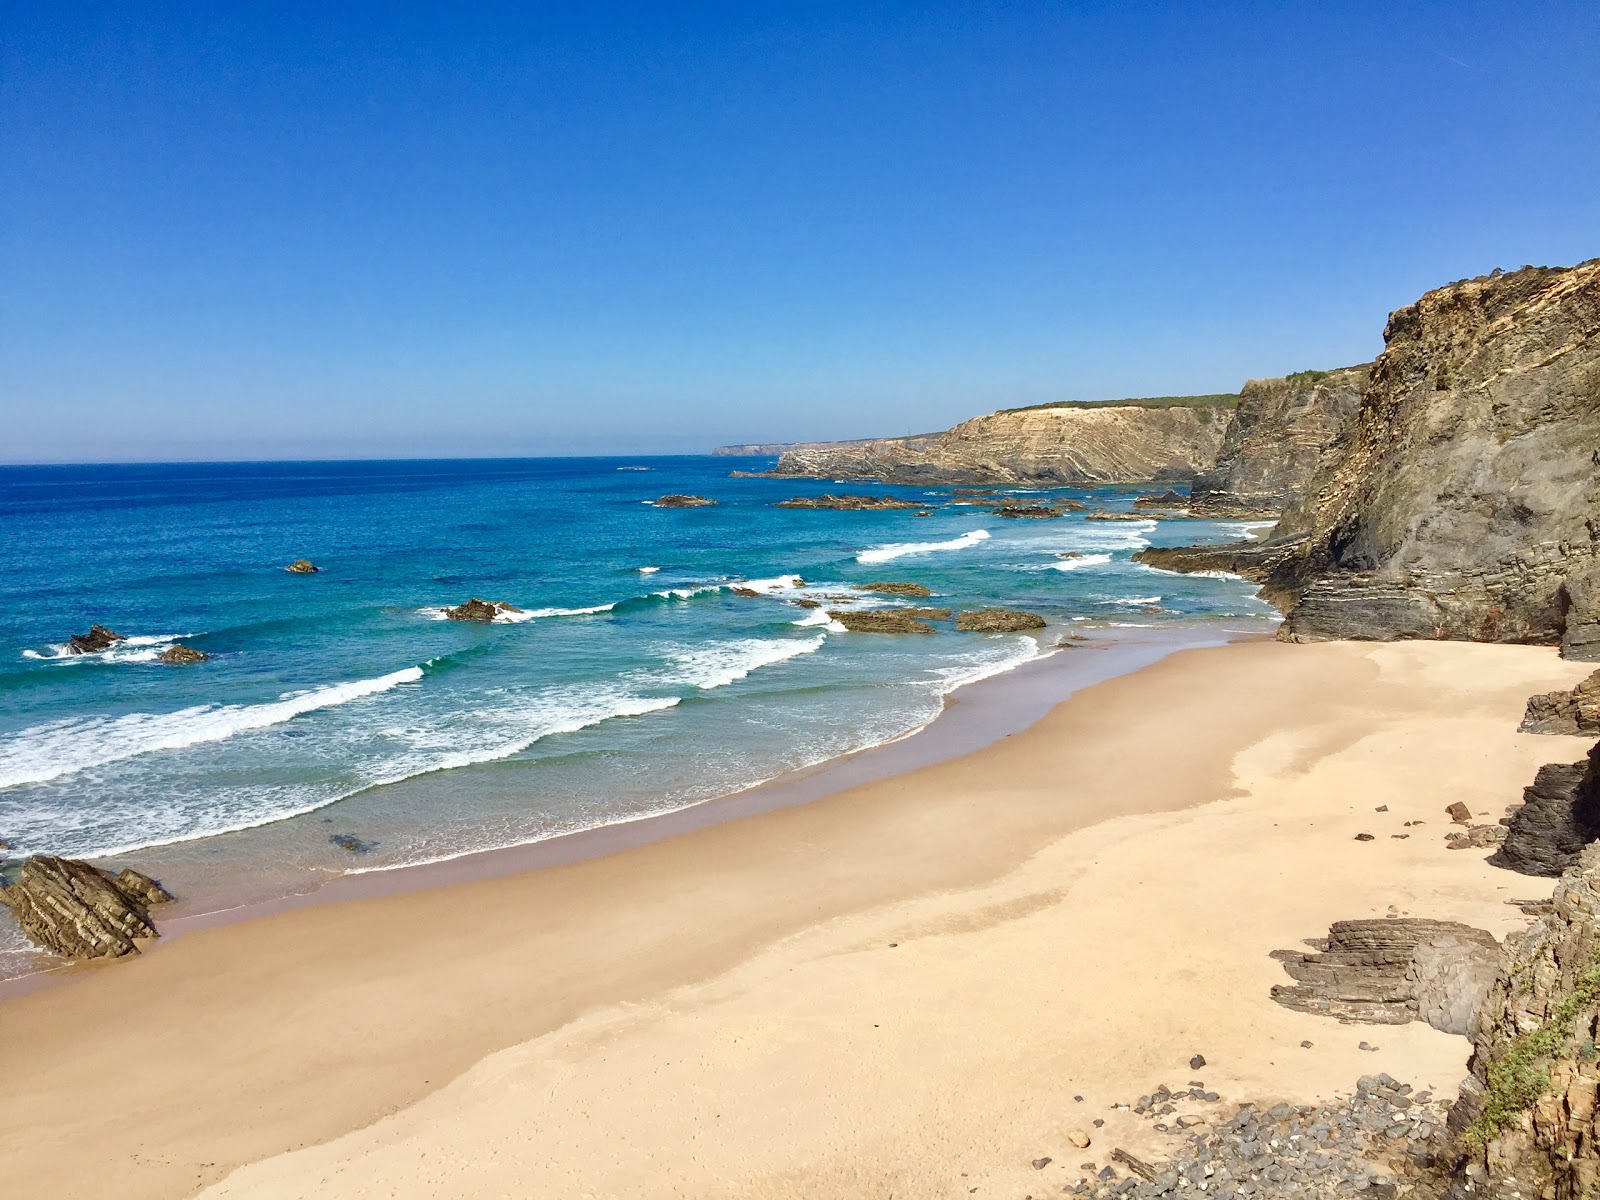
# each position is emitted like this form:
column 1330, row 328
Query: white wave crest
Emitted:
column 534, row 613
column 59, row 748
column 1135, row 600
column 879, row 554
column 1079, row 563
column 722, row 663
column 648, row 570
column 817, row 616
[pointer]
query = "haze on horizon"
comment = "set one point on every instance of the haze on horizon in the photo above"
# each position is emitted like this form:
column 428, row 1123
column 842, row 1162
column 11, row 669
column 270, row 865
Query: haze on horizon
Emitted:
column 333, row 231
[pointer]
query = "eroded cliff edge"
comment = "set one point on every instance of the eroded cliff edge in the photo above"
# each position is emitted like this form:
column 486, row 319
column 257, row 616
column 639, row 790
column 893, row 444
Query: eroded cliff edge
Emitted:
column 1467, row 503
column 1055, row 444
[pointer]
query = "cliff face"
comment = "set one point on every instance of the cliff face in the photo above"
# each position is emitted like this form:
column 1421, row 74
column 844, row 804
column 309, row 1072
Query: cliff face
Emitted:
column 1468, row 502
column 1063, row 445
column 1285, row 432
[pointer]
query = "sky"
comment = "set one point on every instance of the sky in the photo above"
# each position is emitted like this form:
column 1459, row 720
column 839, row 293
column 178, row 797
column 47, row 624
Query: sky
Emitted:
column 393, row 231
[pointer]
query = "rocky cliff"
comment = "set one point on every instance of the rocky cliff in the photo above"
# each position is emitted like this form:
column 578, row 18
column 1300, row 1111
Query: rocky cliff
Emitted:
column 1283, row 434
column 1065, row 444
column 1467, row 504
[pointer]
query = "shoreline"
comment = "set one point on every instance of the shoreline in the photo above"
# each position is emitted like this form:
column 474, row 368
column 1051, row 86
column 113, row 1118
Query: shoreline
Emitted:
column 974, row 714
column 644, row 1023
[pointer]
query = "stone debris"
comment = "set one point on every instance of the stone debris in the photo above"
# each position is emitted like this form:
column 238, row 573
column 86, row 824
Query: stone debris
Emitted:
column 1375, row 1143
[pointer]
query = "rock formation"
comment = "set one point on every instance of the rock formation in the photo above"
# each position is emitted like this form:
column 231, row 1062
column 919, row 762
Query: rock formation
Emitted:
column 97, row 639
column 1037, row 511
column 78, row 911
column 998, row 620
column 1525, row 1118
column 897, row 589
column 881, row 620
column 1394, row 970
column 302, row 566
column 479, row 610
column 1467, row 503
column 1170, row 498
column 847, row 502
column 1061, row 444
column 1574, row 712
column 678, row 500
column 1284, row 432
column 181, row 655
column 1559, row 816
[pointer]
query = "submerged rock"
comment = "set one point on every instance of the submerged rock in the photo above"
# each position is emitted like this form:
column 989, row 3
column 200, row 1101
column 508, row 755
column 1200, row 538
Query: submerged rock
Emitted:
column 350, row 842
column 1577, row 711
column 302, row 566
column 479, row 610
column 897, row 589
column 847, row 502
column 180, row 655
column 998, row 620
column 78, row 911
column 881, row 620
column 97, row 639
column 678, row 500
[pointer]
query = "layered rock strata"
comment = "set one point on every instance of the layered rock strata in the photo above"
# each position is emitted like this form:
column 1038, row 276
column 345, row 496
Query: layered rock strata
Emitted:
column 1559, row 816
column 78, row 911
column 1572, row 712
column 1283, row 434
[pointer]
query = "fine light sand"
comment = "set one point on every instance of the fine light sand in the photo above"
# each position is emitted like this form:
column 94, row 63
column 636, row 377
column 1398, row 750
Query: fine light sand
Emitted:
column 893, row 992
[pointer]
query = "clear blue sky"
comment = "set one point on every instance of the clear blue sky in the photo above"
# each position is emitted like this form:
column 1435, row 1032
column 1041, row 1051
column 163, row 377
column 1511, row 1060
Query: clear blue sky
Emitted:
column 425, row 230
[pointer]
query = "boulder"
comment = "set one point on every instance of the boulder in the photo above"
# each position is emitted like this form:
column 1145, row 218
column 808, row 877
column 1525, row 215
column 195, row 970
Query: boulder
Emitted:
column 302, row 566
column 847, row 502
column 897, row 589
column 1167, row 499
column 79, row 911
column 479, row 610
column 97, row 639
column 681, row 501
column 881, row 620
column 1574, row 712
column 1024, row 511
column 1390, row 971
column 1559, row 816
column 998, row 620
column 179, row 655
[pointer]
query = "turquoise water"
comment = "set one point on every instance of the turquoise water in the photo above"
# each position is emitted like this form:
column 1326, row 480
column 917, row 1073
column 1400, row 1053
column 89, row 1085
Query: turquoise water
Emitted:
column 636, row 680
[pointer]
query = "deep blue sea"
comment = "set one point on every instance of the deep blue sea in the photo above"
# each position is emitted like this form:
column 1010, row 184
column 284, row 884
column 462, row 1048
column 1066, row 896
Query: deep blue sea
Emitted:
column 635, row 681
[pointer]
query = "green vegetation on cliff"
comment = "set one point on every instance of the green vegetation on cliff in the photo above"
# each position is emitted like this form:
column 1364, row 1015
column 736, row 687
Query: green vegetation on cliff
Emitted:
column 1219, row 400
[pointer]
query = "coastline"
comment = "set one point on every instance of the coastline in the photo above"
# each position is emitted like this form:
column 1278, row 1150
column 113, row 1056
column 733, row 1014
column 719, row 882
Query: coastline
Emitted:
column 974, row 714
column 703, row 989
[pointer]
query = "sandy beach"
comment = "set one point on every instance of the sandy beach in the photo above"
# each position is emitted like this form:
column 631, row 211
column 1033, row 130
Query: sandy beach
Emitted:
column 896, row 990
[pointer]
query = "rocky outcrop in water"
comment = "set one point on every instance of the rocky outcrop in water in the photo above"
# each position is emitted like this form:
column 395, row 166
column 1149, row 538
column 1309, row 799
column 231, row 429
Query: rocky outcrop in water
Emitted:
column 681, row 501
column 1391, row 971
column 998, row 620
column 302, row 566
column 1467, row 503
column 847, row 503
column 97, row 639
column 1573, row 712
column 881, row 620
column 78, row 911
column 1068, row 444
column 893, row 588
column 1559, row 816
column 182, row 655
column 479, row 610
column 1283, row 434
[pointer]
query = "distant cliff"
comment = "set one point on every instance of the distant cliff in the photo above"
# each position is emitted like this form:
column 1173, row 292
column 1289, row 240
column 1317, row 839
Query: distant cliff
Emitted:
column 773, row 449
column 1284, row 432
column 1467, row 503
column 1051, row 444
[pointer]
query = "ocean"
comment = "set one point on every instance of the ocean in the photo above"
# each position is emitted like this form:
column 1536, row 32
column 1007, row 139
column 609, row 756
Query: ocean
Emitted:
column 341, row 724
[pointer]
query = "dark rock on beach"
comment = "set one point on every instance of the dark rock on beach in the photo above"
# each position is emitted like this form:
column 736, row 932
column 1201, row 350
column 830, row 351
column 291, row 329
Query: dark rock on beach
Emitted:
column 848, row 502
column 181, row 655
column 302, row 566
column 1573, row 712
column 1392, row 971
column 998, row 620
column 97, row 639
column 897, row 589
column 353, row 844
column 681, row 501
column 79, row 911
column 479, row 610
column 1559, row 816
column 881, row 620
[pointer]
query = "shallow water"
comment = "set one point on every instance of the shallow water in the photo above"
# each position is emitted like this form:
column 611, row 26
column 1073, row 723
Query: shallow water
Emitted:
column 635, row 680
